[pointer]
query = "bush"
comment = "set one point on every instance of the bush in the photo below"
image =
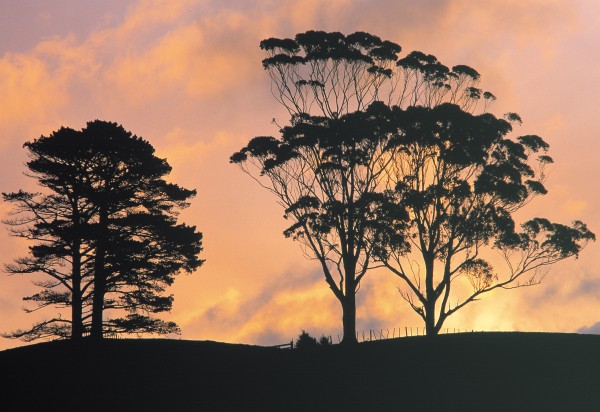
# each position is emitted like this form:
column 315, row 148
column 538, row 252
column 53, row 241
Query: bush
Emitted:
column 305, row 341
column 324, row 341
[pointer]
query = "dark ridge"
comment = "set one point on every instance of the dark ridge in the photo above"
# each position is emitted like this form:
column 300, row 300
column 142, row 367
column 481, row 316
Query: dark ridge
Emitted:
column 461, row 372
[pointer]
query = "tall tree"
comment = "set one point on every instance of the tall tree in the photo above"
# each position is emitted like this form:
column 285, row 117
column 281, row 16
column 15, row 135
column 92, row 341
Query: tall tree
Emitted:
column 329, row 164
column 325, row 174
column 56, row 222
column 139, row 247
column 460, row 179
column 388, row 157
column 325, row 168
column 123, row 220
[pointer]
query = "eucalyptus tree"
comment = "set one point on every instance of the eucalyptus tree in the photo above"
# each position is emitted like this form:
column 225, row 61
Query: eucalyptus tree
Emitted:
column 461, row 179
column 325, row 169
column 325, row 174
column 392, row 161
column 329, row 168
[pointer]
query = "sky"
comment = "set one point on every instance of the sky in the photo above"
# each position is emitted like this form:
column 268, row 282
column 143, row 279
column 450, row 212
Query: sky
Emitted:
column 186, row 75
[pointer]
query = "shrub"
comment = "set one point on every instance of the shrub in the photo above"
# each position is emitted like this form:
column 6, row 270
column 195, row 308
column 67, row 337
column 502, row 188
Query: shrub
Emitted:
column 324, row 341
column 305, row 341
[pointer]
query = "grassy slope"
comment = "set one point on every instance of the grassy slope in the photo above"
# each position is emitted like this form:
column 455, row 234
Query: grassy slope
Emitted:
column 462, row 372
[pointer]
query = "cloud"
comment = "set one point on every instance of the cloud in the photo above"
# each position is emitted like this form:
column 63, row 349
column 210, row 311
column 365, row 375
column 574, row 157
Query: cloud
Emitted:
column 187, row 76
column 27, row 86
column 282, row 307
column 587, row 286
column 148, row 14
column 300, row 300
column 192, row 60
column 592, row 329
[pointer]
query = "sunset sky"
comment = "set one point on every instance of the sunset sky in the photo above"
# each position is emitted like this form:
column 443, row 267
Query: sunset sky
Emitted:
column 186, row 75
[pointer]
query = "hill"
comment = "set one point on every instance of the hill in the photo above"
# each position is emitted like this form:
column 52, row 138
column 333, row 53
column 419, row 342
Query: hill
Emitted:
column 461, row 372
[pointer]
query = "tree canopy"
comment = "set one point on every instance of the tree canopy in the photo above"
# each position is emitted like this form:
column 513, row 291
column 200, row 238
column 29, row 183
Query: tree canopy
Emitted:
column 325, row 173
column 326, row 167
column 460, row 180
column 386, row 160
column 107, row 232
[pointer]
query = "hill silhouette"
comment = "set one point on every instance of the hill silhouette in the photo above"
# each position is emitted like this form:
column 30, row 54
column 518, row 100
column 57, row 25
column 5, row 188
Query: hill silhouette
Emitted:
column 460, row 372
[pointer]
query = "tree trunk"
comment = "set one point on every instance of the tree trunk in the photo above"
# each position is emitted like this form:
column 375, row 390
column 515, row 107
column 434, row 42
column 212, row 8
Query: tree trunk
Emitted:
column 430, row 326
column 99, row 278
column 76, row 315
column 76, row 302
column 349, row 299
column 349, row 320
column 430, row 296
column 76, row 296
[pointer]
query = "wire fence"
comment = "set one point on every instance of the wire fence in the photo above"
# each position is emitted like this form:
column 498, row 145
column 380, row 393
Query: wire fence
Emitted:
column 108, row 335
column 382, row 334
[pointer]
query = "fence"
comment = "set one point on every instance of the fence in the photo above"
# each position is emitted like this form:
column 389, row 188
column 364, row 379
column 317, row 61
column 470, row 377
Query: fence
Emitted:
column 109, row 335
column 381, row 334
column 289, row 345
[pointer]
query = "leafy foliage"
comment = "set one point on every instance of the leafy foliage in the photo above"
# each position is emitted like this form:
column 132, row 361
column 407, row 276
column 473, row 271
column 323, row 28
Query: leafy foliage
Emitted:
column 460, row 179
column 325, row 173
column 305, row 341
column 390, row 161
column 106, row 234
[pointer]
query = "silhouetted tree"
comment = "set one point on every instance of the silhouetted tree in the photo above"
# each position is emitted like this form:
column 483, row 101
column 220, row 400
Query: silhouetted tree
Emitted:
column 56, row 222
column 124, row 222
column 460, row 179
column 384, row 156
column 139, row 247
column 327, row 165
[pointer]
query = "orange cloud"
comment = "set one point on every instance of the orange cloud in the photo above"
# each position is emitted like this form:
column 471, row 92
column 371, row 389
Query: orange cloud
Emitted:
column 27, row 87
column 146, row 15
column 282, row 306
column 187, row 76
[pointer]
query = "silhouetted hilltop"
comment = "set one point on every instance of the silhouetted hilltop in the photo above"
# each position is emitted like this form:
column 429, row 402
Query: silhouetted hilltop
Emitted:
column 461, row 372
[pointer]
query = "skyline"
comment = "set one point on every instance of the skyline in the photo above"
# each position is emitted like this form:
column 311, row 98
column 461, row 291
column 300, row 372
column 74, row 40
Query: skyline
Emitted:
column 187, row 77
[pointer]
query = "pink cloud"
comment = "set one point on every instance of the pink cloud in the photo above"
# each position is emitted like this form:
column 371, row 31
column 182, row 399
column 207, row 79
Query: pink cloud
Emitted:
column 187, row 76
